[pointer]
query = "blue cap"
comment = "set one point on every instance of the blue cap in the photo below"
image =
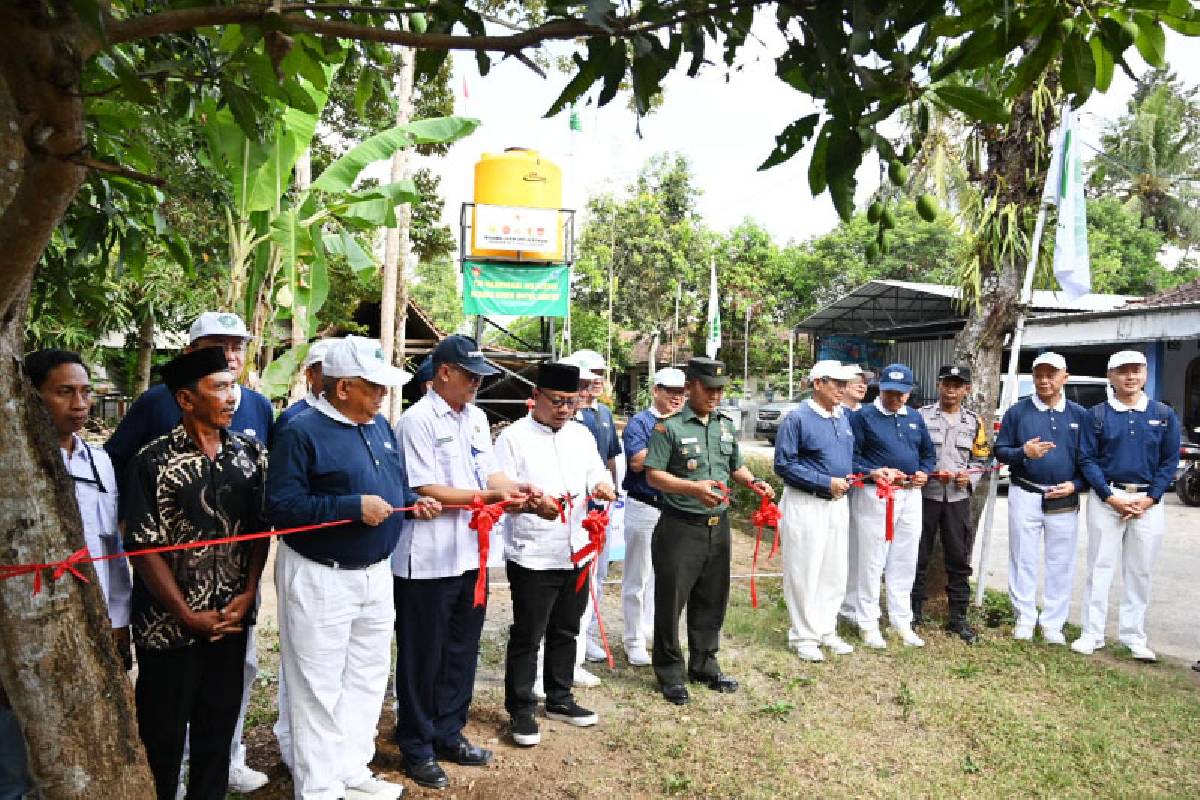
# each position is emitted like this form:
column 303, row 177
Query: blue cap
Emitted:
column 896, row 378
column 425, row 370
column 463, row 351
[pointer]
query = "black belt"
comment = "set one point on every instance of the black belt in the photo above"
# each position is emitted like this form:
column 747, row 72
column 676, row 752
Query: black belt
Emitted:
column 344, row 565
column 1028, row 485
column 1130, row 488
column 824, row 494
column 709, row 520
column 648, row 499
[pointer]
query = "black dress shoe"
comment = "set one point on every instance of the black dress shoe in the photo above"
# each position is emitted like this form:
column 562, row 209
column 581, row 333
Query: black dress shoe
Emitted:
column 677, row 693
column 1196, row 666
column 718, row 683
column 918, row 618
column 961, row 628
column 464, row 754
column 427, row 773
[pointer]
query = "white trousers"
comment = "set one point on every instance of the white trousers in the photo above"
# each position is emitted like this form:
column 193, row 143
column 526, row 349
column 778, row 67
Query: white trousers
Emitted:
column 283, row 725
column 335, row 633
column 1028, row 531
column 878, row 557
column 815, row 541
column 637, row 580
column 1135, row 543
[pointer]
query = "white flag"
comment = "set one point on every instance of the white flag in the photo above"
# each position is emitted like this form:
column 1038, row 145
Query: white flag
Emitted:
column 712, row 339
column 1064, row 188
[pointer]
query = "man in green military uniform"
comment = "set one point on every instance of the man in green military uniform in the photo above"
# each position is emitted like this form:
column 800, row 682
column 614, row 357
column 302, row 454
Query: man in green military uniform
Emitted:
column 691, row 458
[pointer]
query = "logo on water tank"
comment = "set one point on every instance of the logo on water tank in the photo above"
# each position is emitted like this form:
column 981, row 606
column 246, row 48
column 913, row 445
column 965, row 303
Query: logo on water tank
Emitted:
column 533, row 177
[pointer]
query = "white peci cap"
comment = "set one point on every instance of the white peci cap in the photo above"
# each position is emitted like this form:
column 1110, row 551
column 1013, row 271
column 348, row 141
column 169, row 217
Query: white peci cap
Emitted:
column 1123, row 357
column 670, row 378
column 358, row 357
column 217, row 323
column 589, row 360
column 1051, row 360
column 316, row 352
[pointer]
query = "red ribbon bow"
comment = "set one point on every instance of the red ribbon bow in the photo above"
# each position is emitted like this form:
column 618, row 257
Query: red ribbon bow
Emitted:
column 60, row 568
column 767, row 515
column 596, row 525
column 483, row 518
column 886, row 490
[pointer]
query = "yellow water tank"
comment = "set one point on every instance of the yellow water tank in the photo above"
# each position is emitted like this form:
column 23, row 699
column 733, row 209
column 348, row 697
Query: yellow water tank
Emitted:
column 517, row 197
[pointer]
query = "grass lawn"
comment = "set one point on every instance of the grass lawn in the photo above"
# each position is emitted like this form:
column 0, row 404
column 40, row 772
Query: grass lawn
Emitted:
column 1000, row 719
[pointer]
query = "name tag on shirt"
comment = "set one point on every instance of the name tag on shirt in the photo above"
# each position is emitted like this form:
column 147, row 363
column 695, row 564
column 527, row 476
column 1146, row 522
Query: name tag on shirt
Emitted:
column 445, row 439
column 689, row 440
column 1154, row 422
column 912, row 425
column 388, row 445
column 250, row 432
column 1074, row 425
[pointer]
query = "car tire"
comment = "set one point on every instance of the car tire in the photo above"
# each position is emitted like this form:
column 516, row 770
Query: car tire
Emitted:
column 771, row 441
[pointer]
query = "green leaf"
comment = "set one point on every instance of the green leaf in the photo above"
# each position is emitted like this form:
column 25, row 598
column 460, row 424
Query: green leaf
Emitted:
column 1104, row 63
column 134, row 88
column 1151, row 41
column 842, row 158
column 1078, row 69
column 277, row 377
column 816, row 165
column 1180, row 23
column 345, row 245
column 363, row 89
column 791, row 140
column 1033, row 65
column 974, row 103
column 341, row 174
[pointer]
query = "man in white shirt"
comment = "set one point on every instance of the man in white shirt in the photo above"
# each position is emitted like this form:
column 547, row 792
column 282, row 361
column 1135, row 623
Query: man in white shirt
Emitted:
column 548, row 449
column 448, row 454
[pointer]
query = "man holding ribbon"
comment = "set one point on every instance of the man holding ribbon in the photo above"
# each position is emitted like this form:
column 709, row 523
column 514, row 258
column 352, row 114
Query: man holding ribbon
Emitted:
column 1040, row 440
column 691, row 458
column 192, row 607
column 961, row 445
column 814, row 455
column 339, row 460
column 440, row 566
column 550, row 553
column 894, row 454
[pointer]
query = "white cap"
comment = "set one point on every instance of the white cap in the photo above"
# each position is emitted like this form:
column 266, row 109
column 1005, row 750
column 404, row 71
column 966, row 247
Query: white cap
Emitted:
column 670, row 378
column 1123, row 357
column 589, row 359
column 585, row 374
column 316, row 352
column 1050, row 359
column 358, row 357
column 833, row 370
column 217, row 323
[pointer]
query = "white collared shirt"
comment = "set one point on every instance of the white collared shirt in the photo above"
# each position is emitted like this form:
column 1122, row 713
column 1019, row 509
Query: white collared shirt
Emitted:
column 328, row 409
column 879, row 405
column 557, row 462
column 820, row 409
column 1060, row 406
column 98, row 511
column 1143, row 402
column 443, row 447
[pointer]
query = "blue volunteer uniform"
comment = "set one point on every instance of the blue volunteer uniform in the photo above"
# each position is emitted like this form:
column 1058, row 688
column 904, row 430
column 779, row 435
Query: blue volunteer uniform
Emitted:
column 1023, row 421
column 599, row 420
column 900, row 441
column 156, row 413
column 811, row 450
column 290, row 413
column 1135, row 446
column 637, row 439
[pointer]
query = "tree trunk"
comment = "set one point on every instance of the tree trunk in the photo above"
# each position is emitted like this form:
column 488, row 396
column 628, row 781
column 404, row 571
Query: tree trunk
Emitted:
column 58, row 665
column 393, row 315
column 303, row 179
column 145, row 352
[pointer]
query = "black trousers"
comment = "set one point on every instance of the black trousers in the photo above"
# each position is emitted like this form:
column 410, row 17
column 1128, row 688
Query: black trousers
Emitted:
column 201, row 686
column 545, row 603
column 691, row 569
column 952, row 523
column 437, row 650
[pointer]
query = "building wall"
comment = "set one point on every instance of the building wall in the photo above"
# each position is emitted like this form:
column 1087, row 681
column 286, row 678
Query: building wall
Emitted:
column 924, row 357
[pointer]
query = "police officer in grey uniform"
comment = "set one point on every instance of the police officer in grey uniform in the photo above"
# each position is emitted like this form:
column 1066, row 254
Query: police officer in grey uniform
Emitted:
column 690, row 458
column 961, row 445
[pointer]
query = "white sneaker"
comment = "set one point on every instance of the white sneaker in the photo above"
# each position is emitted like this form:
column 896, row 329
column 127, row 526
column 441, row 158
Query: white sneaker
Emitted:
column 1054, row 637
column 374, row 788
column 874, row 639
column 837, row 645
column 1142, row 653
column 244, row 780
column 1023, row 633
column 809, row 652
column 539, row 689
column 908, row 636
column 1086, row 645
column 594, row 651
column 637, row 655
column 584, row 679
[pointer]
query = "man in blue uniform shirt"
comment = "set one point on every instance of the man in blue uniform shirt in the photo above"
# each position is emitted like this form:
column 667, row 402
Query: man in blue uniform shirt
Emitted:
column 814, row 455
column 313, row 379
column 1129, row 463
column 155, row 414
column 1040, row 440
column 891, row 445
column 339, row 461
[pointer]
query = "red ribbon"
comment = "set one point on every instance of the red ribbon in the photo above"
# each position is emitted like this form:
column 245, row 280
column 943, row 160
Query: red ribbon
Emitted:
column 596, row 525
column 767, row 515
column 483, row 518
column 887, row 491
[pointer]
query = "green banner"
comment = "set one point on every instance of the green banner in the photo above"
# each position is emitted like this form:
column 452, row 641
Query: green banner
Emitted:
column 515, row 290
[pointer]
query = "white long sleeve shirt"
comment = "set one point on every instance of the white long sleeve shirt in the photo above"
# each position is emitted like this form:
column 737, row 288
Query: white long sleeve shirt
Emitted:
column 557, row 462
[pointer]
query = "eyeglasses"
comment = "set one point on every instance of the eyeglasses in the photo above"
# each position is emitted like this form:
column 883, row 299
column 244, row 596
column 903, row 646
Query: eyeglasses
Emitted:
column 471, row 376
column 567, row 401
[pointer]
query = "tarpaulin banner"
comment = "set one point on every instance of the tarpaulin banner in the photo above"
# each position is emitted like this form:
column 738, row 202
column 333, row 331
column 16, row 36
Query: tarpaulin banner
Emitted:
column 515, row 290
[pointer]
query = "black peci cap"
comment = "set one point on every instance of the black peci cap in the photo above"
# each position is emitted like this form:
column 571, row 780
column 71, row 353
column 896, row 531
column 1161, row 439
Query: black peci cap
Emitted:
column 558, row 376
column 190, row 367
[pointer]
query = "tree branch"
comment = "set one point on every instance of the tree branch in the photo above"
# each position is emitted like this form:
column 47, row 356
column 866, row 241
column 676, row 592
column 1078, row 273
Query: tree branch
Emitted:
column 118, row 170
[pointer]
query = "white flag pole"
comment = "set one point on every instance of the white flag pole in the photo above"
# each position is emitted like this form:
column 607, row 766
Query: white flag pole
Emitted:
column 712, row 340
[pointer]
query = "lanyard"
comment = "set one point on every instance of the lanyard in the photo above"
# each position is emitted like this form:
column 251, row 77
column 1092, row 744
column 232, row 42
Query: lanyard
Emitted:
column 95, row 479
